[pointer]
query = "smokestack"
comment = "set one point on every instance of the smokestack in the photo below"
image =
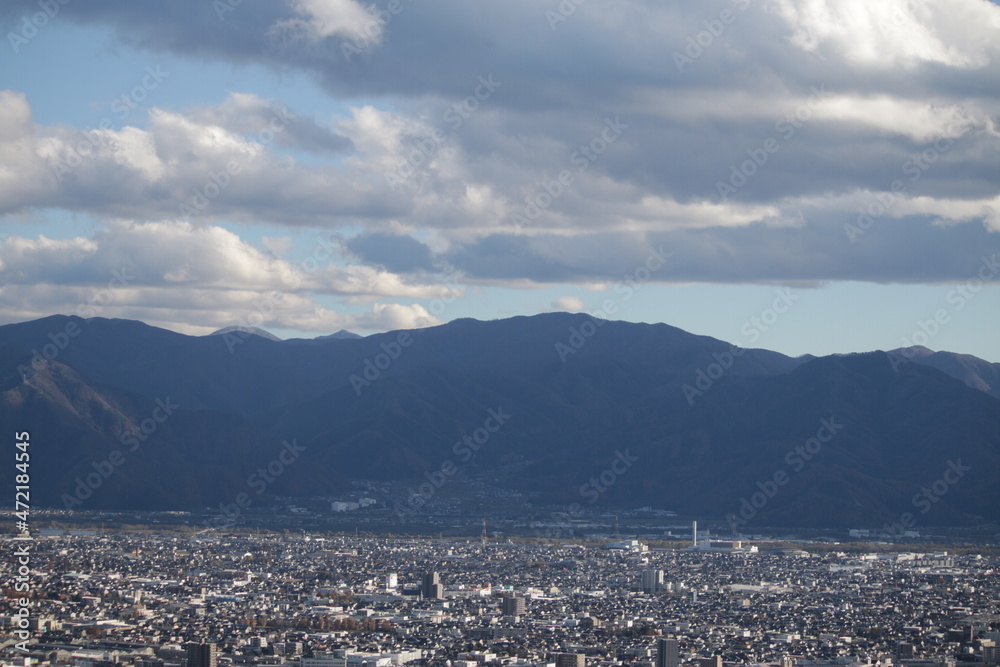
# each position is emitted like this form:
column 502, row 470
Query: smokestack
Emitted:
column 694, row 533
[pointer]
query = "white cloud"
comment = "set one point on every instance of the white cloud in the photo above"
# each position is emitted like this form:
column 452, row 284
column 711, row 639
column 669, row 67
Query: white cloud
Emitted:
column 206, row 277
column 898, row 75
column 920, row 120
column 892, row 33
column 389, row 316
column 200, row 165
column 326, row 18
column 277, row 246
column 950, row 212
column 569, row 304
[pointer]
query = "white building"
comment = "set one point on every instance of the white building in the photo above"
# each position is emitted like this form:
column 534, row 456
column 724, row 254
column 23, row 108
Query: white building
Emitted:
column 635, row 546
column 724, row 546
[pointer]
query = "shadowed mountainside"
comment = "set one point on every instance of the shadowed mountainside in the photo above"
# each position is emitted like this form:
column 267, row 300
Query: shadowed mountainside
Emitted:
column 704, row 429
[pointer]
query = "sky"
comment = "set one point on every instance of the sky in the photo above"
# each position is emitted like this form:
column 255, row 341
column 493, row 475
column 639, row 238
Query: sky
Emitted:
column 816, row 176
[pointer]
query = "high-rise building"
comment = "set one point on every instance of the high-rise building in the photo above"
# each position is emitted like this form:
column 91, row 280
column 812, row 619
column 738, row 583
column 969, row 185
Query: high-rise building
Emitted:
column 652, row 581
column 431, row 587
column 715, row 661
column 667, row 652
column 202, row 655
column 513, row 606
column 289, row 649
column 570, row 660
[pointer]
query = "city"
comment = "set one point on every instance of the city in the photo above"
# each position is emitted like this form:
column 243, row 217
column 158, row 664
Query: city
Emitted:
column 144, row 599
column 523, row 333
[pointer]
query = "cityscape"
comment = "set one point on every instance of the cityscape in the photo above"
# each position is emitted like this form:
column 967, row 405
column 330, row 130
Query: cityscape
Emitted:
column 146, row 598
column 510, row 333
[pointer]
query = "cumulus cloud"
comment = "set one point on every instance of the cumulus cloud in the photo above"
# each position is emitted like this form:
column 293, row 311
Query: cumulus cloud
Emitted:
column 206, row 277
column 570, row 304
column 522, row 150
column 264, row 122
column 396, row 316
column 896, row 33
column 277, row 246
column 206, row 164
column 402, row 254
column 326, row 18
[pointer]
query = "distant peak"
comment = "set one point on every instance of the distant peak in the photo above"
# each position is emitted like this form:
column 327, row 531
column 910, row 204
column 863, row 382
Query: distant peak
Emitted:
column 254, row 331
column 914, row 351
column 343, row 334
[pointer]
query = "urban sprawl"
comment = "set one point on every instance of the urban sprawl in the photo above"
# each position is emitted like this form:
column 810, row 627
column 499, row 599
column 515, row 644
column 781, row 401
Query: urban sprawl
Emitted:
column 131, row 599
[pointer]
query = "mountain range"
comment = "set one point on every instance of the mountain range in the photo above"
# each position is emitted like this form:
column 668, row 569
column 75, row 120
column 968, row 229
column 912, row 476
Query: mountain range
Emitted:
column 559, row 407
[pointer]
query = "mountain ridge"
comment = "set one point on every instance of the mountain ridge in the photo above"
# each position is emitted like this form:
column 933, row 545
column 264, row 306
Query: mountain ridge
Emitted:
column 397, row 405
column 242, row 330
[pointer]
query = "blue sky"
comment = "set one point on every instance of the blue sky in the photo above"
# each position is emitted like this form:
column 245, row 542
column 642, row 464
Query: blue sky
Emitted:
column 832, row 160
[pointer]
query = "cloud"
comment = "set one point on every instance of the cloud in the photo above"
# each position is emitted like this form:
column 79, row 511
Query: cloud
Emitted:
column 896, row 33
column 327, row 18
column 818, row 252
column 206, row 277
column 198, row 165
column 277, row 246
column 400, row 254
column 252, row 117
column 570, row 304
column 746, row 156
column 396, row 316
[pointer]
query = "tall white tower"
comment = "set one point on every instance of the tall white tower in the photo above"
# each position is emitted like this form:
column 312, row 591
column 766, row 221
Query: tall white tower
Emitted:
column 694, row 532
